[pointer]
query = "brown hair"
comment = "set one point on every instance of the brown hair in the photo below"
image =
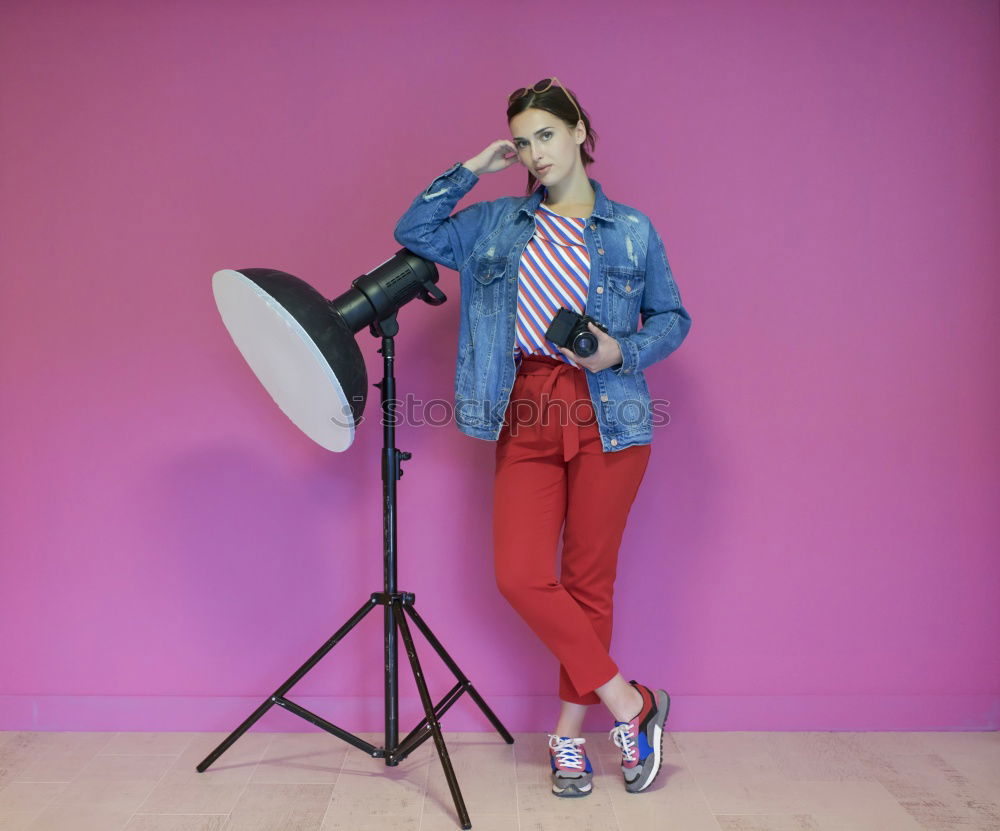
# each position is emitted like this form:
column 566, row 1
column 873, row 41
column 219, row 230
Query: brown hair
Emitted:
column 555, row 100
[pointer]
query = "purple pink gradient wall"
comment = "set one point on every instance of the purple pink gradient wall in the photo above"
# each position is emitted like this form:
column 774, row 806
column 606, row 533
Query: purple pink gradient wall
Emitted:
column 815, row 544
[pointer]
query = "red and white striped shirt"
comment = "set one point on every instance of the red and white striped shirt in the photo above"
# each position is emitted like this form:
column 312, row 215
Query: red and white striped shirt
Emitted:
column 554, row 271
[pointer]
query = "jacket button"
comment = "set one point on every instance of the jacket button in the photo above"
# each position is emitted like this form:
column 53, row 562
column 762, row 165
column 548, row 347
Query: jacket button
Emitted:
column 600, row 250
column 592, row 225
column 628, row 287
column 604, row 397
column 600, row 289
column 614, row 442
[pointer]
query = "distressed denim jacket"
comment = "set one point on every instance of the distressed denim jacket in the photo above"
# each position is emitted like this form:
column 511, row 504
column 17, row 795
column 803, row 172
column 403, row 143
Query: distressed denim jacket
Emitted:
column 630, row 280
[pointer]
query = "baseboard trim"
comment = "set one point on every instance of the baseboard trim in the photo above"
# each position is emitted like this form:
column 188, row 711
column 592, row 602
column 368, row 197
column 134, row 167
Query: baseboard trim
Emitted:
column 520, row 713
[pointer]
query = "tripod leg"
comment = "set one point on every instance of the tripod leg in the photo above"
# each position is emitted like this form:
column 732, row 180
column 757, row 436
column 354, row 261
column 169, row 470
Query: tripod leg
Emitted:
column 425, row 698
column 433, row 641
column 284, row 688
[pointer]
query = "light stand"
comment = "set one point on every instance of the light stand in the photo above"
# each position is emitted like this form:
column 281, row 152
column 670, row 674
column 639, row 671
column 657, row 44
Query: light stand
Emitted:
column 397, row 606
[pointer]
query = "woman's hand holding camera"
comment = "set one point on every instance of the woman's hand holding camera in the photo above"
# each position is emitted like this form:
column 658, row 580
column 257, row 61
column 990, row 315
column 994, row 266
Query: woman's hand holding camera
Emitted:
column 608, row 353
column 497, row 156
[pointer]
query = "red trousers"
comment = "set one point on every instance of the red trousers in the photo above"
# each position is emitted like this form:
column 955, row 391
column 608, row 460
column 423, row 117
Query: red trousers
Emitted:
column 551, row 470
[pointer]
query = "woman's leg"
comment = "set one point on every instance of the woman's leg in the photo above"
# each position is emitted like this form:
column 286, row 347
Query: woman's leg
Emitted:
column 534, row 490
column 601, row 488
column 529, row 508
column 621, row 698
column 571, row 718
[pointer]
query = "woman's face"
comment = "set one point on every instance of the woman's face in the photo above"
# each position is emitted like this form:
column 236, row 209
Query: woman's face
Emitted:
column 546, row 145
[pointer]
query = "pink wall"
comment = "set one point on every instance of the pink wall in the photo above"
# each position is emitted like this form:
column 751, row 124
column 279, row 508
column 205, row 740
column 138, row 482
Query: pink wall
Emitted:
column 815, row 544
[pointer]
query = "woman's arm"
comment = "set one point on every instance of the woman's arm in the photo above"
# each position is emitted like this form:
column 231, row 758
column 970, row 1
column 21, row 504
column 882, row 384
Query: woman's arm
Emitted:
column 665, row 321
column 428, row 229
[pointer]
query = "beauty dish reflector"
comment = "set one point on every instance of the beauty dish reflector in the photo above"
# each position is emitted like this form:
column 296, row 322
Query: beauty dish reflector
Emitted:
column 302, row 347
column 299, row 347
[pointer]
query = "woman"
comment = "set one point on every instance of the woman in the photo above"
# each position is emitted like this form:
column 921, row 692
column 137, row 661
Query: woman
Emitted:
column 573, row 430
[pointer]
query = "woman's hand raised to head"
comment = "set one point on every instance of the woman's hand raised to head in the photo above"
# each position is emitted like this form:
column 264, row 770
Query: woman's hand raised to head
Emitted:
column 497, row 156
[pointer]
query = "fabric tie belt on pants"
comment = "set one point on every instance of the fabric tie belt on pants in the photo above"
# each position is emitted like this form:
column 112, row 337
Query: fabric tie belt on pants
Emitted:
column 566, row 383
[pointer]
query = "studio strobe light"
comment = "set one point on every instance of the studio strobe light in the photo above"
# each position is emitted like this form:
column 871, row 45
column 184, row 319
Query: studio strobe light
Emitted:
column 302, row 348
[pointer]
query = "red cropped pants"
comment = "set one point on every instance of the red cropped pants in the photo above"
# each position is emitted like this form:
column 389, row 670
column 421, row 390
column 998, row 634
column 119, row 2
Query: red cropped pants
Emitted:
column 551, row 471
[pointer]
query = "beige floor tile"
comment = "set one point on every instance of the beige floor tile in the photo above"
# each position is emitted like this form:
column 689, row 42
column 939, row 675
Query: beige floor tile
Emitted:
column 303, row 758
column 434, row 821
column 738, row 773
column 148, row 744
column 485, row 775
column 875, row 753
column 176, row 822
column 878, row 746
column 121, row 792
column 541, row 810
column 116, row 794
column 725, row 763
column 801, row 822
column 976, row 755
column 234, row 767
column 12, row 762
column 754, row 781
column 276, row 807
column 769, row 822
column 377, row 823
column 57, row 757
column 17, row 820
column 531, row 758
column 938, row 795
column 855, row 805
column 80, row 818
column 674, row 794
column 123, row 779
column 46, row 757
column 815, row 757
column 125, row 769
column 53, row 767
column 204, row 797
column 120, row 782
column 29, row 796
column 369, row 793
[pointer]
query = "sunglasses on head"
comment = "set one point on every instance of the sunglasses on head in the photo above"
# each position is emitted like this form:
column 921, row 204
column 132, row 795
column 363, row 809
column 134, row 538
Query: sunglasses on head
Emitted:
column 540, row 87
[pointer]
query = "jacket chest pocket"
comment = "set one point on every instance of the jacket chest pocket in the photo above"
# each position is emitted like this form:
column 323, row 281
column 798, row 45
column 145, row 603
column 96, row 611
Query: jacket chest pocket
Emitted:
column 626, row 284
column 488, row 284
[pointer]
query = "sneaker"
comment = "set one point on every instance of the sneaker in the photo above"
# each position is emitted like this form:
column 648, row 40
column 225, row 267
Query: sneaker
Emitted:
column 641, row 739
column 571, row 770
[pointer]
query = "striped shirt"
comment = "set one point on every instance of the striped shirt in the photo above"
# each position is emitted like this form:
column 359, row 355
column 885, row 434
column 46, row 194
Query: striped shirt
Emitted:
column 554, row 271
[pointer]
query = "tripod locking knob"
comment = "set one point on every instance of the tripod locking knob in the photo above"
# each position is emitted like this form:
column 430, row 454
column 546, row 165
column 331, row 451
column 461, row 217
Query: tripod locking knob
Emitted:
column 401, row 456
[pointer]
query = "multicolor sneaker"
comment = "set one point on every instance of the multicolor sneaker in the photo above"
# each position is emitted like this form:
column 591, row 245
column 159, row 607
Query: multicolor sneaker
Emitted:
column 641, row 739
column 571, row 770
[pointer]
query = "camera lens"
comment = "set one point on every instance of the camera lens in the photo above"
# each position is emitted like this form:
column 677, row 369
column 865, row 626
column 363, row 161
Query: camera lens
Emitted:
column 585, row 344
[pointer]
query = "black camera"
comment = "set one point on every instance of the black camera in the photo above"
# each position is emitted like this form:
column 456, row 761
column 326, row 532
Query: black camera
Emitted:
column 569, row 329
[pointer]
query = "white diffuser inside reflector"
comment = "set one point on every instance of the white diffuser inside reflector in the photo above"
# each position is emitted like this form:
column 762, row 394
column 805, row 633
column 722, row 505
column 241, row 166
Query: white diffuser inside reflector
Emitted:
column 286, row 360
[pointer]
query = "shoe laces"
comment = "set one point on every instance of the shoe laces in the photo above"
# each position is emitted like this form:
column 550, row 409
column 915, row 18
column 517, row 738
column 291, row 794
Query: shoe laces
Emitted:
column 625, row 740
column 567, row 751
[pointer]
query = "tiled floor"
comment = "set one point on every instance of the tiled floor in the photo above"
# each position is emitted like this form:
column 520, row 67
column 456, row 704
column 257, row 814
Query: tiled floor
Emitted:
column 316, row 782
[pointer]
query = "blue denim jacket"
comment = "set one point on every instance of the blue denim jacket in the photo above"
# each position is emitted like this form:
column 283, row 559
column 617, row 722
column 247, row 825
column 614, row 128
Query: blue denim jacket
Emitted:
column 630, row 279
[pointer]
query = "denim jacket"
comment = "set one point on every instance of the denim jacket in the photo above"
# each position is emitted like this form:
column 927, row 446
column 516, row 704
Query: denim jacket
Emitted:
column 630, row 280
